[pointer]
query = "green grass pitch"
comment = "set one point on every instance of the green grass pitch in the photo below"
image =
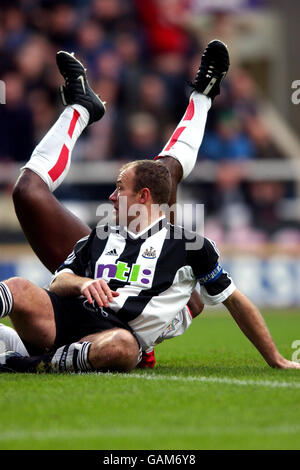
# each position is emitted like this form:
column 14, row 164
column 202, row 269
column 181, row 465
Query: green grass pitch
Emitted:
column 210, row 389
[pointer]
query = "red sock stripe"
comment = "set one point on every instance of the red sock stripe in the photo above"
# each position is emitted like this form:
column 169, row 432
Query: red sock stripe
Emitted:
column 73, row 122
column 60, row 165
column 190, row 312
column 174, row 138
column 62, row 161
column 189, row 114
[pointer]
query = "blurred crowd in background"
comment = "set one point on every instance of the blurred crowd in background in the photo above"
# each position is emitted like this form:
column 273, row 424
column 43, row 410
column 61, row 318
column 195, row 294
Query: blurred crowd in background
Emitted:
column 140, row 56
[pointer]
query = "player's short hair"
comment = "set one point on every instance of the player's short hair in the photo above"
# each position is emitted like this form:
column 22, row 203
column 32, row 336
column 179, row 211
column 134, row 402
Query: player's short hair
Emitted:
column 155, row 176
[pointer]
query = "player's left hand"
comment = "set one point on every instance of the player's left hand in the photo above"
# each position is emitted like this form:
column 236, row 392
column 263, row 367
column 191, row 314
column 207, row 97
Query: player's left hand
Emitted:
column 99, row 291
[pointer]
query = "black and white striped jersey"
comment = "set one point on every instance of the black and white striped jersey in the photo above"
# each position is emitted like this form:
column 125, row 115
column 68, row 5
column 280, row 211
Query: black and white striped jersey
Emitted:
column 155, row 272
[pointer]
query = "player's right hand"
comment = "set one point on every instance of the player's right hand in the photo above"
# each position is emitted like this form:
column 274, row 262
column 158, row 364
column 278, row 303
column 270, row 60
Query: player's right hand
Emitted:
column 98, row 290
column 286, row 364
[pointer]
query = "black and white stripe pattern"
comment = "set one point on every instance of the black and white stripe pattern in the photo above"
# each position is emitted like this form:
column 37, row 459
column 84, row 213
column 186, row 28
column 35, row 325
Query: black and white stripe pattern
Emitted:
column 164, row 268
column 6, row 300
column 72, row 358
column 82, row 360
column 154, row 272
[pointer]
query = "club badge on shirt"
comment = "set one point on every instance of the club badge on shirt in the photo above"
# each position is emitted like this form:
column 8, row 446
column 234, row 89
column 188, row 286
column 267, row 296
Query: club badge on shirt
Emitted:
column 149, row 253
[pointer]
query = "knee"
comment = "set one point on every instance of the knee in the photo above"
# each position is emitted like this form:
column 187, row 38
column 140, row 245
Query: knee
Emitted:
column 115, row 350
column 19, row 290
column 17, row 284
column 127, row 352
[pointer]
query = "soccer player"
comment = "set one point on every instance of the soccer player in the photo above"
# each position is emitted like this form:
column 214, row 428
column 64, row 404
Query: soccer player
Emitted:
column 44, row 219
column 118, row 290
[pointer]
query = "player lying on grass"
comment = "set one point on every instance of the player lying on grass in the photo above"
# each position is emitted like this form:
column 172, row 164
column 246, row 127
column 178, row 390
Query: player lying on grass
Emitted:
column 119, row 290
column 44, row 219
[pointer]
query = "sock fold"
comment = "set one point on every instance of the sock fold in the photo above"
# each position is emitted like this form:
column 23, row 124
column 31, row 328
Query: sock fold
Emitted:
column 72, row 358
column 69, row 358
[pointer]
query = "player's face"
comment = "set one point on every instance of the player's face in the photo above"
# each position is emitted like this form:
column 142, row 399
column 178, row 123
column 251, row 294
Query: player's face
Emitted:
column 124, row 195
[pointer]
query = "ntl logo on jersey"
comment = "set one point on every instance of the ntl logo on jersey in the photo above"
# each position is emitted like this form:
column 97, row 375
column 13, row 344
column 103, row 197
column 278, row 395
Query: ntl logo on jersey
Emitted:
column 122, row 272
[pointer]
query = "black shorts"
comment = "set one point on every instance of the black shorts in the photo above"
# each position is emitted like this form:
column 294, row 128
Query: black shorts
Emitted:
column 75, row 318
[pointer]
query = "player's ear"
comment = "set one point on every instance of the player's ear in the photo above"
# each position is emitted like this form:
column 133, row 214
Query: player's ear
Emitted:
column 144, row 195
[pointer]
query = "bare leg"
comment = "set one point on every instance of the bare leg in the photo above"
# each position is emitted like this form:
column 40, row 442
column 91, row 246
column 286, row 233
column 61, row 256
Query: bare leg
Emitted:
column 111, row 350
column 175, row 169
column 32, row 314
column 49, row 227
column 195, row 304
column 115, row 350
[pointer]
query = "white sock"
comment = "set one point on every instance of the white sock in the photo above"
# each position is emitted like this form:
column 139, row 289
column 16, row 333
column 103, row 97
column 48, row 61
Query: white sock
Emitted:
column 72, row 358
column 187, row 138
column 51, row 158
column 6, row 300
column 11, row 341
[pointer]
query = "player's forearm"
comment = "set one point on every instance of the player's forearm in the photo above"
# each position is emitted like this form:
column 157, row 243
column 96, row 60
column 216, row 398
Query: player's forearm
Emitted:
column 253, row 326
column 68, row 285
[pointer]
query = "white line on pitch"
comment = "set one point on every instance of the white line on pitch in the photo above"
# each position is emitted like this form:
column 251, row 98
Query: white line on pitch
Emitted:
column 123, row 431
column 222, row 380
